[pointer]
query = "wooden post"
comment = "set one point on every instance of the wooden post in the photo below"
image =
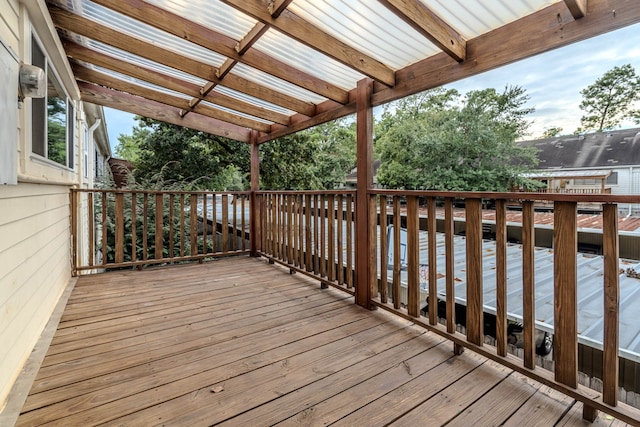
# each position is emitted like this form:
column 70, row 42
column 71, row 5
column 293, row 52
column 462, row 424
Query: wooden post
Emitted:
column 611, row 304
column 364, row 149
column 501, row 277
column 565, row 346
column 413, row 258
column 475, row 316
column 432, row 261
column 528, row 284
column 73, row 201
column 254, row 224
column 450, row 271
column 159, row 226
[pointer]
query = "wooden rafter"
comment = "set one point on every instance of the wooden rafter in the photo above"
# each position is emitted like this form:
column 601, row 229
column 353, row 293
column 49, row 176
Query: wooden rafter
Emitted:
column 578, row 8
column 226, row 46
column 301, row 30
column 251, row 38
column 546, row 29
column 422, row 19
column 95, row 31
column 136, row 105
column 111, row 82
column 276, row 7
column 169, row 82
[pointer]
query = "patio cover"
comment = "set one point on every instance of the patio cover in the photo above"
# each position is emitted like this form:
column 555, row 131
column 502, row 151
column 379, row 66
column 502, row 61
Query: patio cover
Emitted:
column 233, row 67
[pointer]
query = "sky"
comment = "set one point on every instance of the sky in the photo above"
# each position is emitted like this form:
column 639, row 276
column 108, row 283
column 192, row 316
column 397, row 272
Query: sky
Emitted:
column 553, row 81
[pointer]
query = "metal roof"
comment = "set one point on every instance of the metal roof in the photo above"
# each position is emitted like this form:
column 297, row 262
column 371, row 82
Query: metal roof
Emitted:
column 280, row 63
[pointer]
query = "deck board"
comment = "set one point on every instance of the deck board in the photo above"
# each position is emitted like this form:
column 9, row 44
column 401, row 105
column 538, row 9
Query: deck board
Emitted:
column 240, row 342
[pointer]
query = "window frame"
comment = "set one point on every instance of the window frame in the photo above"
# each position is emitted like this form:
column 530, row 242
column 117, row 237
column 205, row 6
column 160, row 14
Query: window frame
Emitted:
column 40, row 149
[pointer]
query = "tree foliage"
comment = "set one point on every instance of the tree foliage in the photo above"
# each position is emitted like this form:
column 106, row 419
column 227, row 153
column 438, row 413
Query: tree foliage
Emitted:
column 439, row 140
column 609, row 100
column 314, row 159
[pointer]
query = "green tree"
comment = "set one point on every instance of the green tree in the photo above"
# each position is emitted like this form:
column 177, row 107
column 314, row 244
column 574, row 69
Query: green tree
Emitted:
column 552, row 132
column 335, row 156
column 447, row 142
column 608, row 101
column 128, row 147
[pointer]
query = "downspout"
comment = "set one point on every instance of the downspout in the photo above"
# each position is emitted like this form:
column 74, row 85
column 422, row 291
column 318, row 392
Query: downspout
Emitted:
column 92, row 129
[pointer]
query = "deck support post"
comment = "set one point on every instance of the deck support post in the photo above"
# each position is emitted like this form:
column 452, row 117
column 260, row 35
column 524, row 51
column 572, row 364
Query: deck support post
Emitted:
column 255, row 231
column 365, row 251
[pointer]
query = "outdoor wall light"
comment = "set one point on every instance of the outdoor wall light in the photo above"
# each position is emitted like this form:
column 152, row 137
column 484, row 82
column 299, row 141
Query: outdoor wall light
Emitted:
column 32, row 82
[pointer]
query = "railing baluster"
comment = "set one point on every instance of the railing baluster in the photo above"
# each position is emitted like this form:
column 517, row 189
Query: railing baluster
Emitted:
column 182, row 225
column 234, row 240
column 214, row 223
column 119, row 211
column 611, row 304
column 501, row 277
column 242, row 221
column 205, row 224
column 383, row 250
column 528, row 284
column 331, row 256
column 475, row 321
column 449, row 251
column 225, row 223
column 396, row 252
column 171, row 223
column 91, row 228
column 323, row 238
column 301, row 240
column 349, row 241
column 296, row 232
column 339, row 242
column 193, row 219
column 159, row 226
column 145, row 225
column 308, row 263
column 413, row 258
column 432, row 261
column 316, row 225
column 565, row 291
column 104, row 228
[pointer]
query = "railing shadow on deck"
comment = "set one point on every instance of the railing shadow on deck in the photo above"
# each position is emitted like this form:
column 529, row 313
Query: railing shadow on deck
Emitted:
column 314, row 233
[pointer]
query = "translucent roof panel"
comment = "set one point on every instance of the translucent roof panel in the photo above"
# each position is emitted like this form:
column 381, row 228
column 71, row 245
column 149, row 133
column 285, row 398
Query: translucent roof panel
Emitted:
column 141, row 31
column 221, row 18
column 276, row 84
column 252, row 100
column 378, row 32
column 302, row 57
column 235, row 112
column 472, row 18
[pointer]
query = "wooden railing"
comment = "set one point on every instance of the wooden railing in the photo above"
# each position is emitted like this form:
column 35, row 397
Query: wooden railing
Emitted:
column 576, row 190
column 311, row 232
column 135, row 228
column 407, row 209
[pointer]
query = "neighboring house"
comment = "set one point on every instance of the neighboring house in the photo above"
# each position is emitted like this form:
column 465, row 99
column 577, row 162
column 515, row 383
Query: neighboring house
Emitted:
column 607, row 162
column 47, row 146
column 351, row 180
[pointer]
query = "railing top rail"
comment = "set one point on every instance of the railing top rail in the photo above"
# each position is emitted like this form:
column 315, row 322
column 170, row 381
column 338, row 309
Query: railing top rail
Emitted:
column 551, row 197
column 312, row 192
column 123, row 191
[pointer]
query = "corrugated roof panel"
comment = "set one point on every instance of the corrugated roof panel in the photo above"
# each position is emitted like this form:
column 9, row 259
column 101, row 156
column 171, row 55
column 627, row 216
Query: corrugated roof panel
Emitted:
column 369, row 27
column 276, row 84
column 475, row 17
column 235, row 112
column 212, row 14
column 136, row 29
column 252, row 100
column 302, row 57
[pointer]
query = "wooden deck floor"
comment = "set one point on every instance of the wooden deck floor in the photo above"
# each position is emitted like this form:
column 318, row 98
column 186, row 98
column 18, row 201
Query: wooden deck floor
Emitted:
column 241, row 342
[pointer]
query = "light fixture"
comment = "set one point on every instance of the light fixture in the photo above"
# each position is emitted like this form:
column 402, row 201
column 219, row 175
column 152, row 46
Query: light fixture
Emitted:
column 33, row 82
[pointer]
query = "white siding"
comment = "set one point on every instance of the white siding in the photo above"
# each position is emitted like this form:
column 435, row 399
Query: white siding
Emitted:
column 9, row 23
column 34, row 255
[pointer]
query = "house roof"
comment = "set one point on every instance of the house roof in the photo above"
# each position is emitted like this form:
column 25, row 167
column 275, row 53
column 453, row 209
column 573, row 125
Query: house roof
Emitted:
column 594, row 150
column 274, row 67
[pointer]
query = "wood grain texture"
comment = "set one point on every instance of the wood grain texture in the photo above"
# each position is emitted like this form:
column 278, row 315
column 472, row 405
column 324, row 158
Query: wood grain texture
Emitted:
column 432, row 261
column 413, row 257
column 611, row 304
column 475, row 321
column 449, row 265
column 565, row 338
column 383, row 250
column 528, row 284
column 501, row 277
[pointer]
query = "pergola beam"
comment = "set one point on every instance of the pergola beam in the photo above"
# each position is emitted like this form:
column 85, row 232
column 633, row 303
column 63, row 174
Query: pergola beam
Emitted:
column 101, row 33
column 136, row 105
column 179, row 26
column 302, row 31
column 578, row 8
column 91, row 56
column 276, row 7
column 102, row 79
column 422, row 19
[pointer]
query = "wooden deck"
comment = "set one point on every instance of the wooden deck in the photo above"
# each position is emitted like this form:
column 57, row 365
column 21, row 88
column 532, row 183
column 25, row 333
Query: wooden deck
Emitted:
column 240, row 342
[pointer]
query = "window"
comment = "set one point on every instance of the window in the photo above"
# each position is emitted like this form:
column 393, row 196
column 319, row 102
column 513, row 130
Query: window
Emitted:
column 587, row 181
column 613, row 178
column 52, row 116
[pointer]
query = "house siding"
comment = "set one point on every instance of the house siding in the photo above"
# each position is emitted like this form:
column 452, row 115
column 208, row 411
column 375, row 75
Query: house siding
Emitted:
column 9, row 23
column 34, row 254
